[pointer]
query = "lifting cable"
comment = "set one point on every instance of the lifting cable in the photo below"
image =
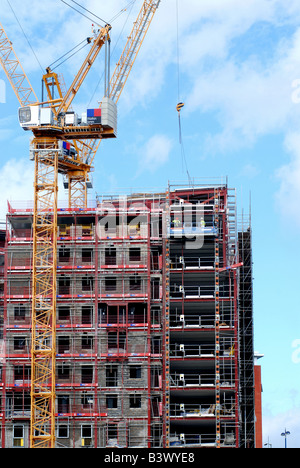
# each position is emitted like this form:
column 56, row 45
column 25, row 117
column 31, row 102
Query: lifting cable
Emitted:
column 103, row 21
column 180, row 104
column 25, row 35
column 122, row 11
column 90, row 19
column 85, row 42
column 131, row 4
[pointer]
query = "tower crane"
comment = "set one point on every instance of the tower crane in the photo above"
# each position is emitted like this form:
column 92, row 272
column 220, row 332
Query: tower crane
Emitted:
column 64, row 144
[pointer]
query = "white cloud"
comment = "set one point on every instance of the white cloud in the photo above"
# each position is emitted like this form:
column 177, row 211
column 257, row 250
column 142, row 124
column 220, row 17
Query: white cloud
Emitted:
column 275, row 425
column 53, row 28
column 6, row 127
column 154, row 154
column 288, row 196
column 250, row 171
column 220, row 23
column 206, row 29
column 249, row 99
column 16, row 182
column 248, row 96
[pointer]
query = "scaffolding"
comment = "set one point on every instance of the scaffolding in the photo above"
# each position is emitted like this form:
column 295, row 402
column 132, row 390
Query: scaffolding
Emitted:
column 153, row 323
column 203, row 300
column 246, row 334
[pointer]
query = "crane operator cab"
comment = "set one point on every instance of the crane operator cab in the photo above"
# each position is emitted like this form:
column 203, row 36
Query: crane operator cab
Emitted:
column 29, row 116
column 36, row 117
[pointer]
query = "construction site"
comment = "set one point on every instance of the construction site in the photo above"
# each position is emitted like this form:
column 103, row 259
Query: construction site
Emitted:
column 127, row 321
column 154, row 333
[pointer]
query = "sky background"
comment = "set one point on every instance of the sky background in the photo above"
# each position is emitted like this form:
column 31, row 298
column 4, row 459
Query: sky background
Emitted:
column 238, row 74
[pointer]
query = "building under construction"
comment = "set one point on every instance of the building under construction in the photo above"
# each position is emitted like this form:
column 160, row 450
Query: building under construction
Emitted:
column 154, row 325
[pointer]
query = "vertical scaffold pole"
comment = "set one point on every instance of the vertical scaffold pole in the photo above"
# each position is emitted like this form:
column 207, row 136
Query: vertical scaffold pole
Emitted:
column 167, row 320
column 217, row 319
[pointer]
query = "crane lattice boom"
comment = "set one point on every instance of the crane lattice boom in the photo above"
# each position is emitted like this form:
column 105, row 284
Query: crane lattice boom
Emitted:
column 14, row 71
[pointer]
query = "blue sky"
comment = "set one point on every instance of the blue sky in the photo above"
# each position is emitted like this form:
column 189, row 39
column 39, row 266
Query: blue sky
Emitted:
column 239, row 65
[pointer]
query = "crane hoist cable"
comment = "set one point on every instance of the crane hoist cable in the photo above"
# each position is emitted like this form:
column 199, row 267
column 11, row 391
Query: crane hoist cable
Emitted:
column 180, row 104
column 183, row 156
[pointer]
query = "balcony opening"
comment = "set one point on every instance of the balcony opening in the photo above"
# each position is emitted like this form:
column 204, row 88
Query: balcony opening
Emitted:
column 19, row 343
column 64, row 255
column 135, row 254
column 87, row 374
column 19, row 312
column 63, row 372
column 111, row 401
column 155, row 288
column 63, row 431
column 110, row 284
column 137, row 313
column 87, row 401
column 64, row 313
column 22, row 374
column 87, row 343
column 64, row 284
column 63, row 404
column 155, row 345
column 135, row 401
column 156, row 407
column 135, row 372
column 112, row 434
column 87, row 284
column 116, row 342
column 135, row 283
column 110, row 256
column 86, row 315
column 87, row 255
column 18, row 436
column 112, row 376
column 63, row 344
column 86, row 436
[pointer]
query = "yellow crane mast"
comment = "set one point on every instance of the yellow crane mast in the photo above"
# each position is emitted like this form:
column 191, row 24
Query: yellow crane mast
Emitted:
column 53, row 129
column 49, row 126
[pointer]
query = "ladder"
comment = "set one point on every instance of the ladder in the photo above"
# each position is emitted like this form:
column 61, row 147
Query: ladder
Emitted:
column 167, row 320
column 231, row 227
column 217, row 319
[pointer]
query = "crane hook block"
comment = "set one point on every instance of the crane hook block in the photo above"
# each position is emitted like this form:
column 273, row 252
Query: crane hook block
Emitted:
column 179, row 106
